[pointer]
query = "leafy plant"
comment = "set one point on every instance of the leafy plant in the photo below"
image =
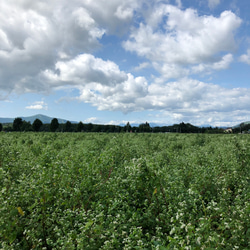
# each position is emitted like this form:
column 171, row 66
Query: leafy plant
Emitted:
column 124, row 191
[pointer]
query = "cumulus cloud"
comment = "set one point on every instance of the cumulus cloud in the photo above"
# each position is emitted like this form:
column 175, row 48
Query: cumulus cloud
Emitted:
column 116, row 14
column 142, row 66
column 175, row 38
column 183, row 98
column 100, row 82
column 246, row 57
column 186, row 37
column 39, row 105
column 203, row 119
column 36, row 34
column 85, row 69
column 94, row 120
column 32, row 40
column 103, row 85
column 47, row 45
column 198, row 102
column 127, row 96
column 196, row 96
column 36, row 37
column 209, row 67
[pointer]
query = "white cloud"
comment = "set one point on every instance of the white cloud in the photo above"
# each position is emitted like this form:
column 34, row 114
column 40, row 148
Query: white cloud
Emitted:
column 194, row 96
column 184, row 98
column 224, row 63
column 186, row 39
column 116, row 14
column 246, row 57
column 126, row 96
column 209, row 67
column 103, row 85
column 199, row 103
column 174, row 39
column 219, row 119
column 47, row 45
column 94, row 120
column 170, row 71
column 36, row 37
column 142, row 66
column 100, row 82
column 213, row 3
column 85, row 69
column 38, row 106
column 36, row 34
column 124, row 122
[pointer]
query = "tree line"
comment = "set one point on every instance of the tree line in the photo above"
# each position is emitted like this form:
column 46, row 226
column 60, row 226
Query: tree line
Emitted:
column 55, row 126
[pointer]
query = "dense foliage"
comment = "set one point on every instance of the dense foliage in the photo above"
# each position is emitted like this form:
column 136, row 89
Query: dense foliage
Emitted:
column 55, row 126
column 37, row 124
column 242, row 128
column 124, row 191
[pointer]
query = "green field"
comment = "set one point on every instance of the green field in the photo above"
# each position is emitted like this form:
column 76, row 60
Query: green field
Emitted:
column 124, row 191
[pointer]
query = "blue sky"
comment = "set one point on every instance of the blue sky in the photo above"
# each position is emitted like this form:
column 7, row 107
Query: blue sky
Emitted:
column 116, row 61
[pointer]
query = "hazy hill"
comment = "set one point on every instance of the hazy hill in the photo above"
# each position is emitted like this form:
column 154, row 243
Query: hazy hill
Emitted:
column 241, row 124
column 45, row 119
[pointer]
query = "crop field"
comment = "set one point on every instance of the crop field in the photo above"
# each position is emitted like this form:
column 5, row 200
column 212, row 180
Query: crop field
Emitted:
column 124, row 191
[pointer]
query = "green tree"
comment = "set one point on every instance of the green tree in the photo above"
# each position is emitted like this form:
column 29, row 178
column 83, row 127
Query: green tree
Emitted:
column 145, row 127
column 89, row 127
column 1, row 127
column 128, row 127
column 80, row 127
column 26, row 126
column 37, row 124
column 67, row 126
column 17, row 124
column 54, row 125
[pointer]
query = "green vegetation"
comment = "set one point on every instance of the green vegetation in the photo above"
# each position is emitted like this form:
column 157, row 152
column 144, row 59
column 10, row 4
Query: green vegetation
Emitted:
column 124, row 191
column 66, row 126
column 55, row 126
column 37, row 124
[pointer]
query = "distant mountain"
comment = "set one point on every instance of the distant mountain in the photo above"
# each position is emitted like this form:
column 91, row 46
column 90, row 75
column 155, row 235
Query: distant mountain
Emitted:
column 241, row 124
column 45, row 119
column 6, row 120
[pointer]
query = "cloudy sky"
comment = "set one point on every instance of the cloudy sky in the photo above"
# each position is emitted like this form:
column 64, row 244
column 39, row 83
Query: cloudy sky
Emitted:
column 113, row 61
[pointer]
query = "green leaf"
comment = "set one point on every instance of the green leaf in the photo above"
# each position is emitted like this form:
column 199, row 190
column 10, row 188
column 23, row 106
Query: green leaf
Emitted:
column 88, row 224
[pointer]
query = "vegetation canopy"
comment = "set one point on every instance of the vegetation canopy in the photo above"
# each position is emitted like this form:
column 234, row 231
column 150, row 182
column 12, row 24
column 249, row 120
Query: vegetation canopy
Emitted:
column 124, row 191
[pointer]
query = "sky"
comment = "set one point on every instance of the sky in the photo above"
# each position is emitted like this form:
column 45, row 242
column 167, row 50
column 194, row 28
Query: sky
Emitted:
column 119, row 61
